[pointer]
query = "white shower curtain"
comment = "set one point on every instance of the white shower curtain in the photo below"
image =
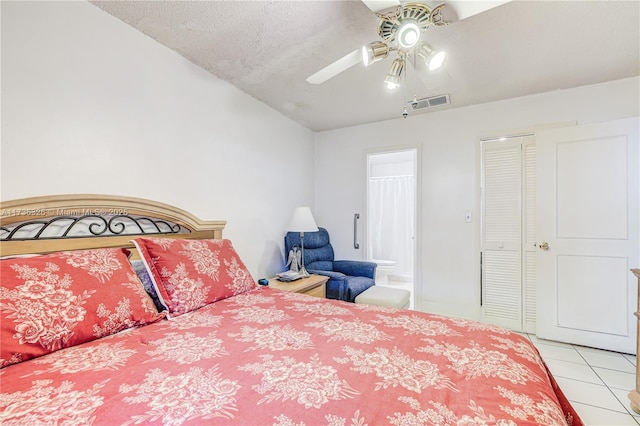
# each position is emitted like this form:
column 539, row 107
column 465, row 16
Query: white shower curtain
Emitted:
column 391, row 215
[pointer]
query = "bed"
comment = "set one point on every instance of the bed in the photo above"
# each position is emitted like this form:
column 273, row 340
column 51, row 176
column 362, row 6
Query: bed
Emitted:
column 136, row 312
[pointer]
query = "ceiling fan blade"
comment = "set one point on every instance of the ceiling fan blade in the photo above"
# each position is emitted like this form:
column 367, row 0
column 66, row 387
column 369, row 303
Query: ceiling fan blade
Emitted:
column 336, row 68
column 465, row 8
column 380, row 5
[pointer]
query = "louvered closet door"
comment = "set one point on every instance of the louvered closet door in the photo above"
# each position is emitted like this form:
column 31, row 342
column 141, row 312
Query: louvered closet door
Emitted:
column 508, row 226
column 529, row 234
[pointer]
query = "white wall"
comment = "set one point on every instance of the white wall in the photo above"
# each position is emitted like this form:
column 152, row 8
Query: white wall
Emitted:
column 448, row 142
column 90, row 105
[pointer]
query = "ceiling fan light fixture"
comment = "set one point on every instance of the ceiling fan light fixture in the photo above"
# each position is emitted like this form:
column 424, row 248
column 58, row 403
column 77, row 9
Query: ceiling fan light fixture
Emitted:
column 437, row 60
column 433, row 58
column 392, row 80
column 374, row 52
column 408, row 34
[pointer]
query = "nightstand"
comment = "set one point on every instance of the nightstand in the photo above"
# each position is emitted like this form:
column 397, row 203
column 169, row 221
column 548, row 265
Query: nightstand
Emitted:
column 315, row 285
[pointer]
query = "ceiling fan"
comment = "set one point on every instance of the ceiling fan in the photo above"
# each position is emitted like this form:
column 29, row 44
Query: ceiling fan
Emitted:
column 401, row 27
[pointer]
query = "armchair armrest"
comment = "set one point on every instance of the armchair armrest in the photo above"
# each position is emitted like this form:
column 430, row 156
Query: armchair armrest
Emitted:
column 331, row 274
column 357, row 268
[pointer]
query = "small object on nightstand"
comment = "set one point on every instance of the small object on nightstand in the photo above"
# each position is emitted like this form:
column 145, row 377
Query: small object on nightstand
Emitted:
column 288, row 276
column 263, row 281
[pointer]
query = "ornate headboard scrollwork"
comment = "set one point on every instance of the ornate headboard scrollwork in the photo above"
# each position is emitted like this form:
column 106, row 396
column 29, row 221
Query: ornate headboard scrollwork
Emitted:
column 72, row 222
column 88, row 225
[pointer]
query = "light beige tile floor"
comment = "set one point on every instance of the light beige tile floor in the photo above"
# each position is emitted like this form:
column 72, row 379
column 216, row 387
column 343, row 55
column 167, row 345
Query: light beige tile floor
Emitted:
column 596, row 382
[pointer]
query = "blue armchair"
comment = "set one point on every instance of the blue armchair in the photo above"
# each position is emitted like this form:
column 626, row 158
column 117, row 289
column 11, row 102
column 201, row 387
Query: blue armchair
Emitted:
column 347, row 278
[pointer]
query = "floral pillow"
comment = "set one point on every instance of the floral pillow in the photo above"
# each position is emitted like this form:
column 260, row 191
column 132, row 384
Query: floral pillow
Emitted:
column 59, row 300
column 189, row 274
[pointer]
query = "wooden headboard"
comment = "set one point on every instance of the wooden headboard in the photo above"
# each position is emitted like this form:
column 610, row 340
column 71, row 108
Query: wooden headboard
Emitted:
column 84, row 221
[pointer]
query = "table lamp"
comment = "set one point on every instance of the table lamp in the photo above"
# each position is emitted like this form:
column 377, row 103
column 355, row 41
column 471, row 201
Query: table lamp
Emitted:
column 302, row 221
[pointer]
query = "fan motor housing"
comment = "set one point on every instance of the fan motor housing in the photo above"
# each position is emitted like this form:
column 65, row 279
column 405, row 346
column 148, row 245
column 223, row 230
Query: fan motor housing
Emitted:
column 416, row 12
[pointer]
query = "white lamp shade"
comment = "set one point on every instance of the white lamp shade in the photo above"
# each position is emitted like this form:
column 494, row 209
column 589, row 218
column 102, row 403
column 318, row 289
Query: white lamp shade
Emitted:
column 302, row 221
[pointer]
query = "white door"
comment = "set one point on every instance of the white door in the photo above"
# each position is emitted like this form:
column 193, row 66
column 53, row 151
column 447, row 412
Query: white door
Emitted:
column 588, row 234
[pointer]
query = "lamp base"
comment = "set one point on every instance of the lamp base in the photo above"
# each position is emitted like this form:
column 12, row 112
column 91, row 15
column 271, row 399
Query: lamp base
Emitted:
column 303, row 270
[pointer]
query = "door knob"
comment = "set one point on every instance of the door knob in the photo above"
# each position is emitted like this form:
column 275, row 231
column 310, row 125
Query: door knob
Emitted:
column 543, row 245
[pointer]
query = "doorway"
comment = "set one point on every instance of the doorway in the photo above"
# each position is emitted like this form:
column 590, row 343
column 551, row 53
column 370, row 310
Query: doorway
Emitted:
column 391, row 217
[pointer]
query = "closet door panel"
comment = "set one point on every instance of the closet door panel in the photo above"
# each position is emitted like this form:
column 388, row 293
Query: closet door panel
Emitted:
column 501, row 232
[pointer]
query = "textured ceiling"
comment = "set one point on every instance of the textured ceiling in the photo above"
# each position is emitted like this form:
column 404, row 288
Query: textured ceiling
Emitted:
column 268, row 49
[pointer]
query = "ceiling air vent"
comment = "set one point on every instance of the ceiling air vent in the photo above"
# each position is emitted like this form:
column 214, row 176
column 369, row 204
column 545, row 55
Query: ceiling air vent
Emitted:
column 430, row 102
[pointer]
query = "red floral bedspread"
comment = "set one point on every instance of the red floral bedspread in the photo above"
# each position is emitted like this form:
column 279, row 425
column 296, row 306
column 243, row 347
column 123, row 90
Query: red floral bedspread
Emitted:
column 268, row 357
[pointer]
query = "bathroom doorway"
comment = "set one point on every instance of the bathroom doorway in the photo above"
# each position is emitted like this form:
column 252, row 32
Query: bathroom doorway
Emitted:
column 391, row 216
